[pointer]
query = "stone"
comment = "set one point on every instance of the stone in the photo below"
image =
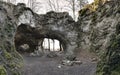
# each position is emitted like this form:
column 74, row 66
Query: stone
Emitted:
column 67, row 62
column 51, row 55
column 32, row 54
column 78, row 62
column 94, row 59
column 59, row 66
column 71, row 63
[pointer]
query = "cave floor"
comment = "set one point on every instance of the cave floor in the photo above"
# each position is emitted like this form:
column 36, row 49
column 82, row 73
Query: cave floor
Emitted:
column 49, row 66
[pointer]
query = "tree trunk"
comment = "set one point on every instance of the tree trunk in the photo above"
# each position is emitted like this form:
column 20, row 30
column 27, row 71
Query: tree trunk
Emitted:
column 49, row 44
column 8, row 1
column 42, row 44
column 60, row 46
column 73, row 7
column 53, row 45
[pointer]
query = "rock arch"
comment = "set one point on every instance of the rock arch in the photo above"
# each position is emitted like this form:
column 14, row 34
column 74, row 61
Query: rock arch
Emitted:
column 52, row 25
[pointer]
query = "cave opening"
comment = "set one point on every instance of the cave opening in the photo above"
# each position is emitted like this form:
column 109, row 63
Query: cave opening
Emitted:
column 31, row 40
column 53, row 45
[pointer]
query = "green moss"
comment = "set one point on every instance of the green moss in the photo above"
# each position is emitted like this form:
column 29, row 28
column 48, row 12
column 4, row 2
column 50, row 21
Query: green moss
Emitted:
column 116, row 71
column 94, row 17
column 110, row 63
column 2, row 70
column 83, row 11
column 8, row 56
column 16, row 73
column 101, row 73
column 96, row 2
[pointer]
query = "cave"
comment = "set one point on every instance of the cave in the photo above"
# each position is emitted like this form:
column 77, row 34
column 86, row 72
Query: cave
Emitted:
column 30, row 40
column 24, row 36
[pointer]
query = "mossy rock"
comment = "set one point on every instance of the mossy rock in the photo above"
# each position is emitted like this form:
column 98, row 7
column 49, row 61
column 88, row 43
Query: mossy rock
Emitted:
column 116, row 71
column 10, row 60
column 83, row 11
column 2, row 70
column 110, row 63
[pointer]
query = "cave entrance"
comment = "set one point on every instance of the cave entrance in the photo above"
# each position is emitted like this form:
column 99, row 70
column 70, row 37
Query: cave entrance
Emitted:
column 31, row 40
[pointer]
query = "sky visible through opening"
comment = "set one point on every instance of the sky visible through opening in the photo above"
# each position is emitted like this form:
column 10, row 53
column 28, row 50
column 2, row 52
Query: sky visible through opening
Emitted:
column 56, row 43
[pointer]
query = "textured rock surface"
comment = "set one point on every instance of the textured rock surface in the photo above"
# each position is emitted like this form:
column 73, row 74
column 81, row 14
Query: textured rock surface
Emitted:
column 60, row 26
column 10, row 18
column 31, row 28
column 52, row 25
column 100, row 33
column 96, row 31
column 10, row 60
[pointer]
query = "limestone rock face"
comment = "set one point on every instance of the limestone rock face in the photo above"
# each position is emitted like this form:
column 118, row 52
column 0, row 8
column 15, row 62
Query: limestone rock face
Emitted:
column 20, row 25
column 100, row 33
column 10, row 60
column 52, row 25
column 62, row 27
column 11, row 16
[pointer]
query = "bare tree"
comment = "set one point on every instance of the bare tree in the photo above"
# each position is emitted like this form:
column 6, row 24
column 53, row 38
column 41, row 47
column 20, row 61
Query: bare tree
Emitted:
column 54, row 5
column 82, row 3
column 10, row 1
column 53, row 44
column 75, row 5
column 69, row 5
column 13, row 1
column 60, row 45
column 48, row 44
column 34, row 5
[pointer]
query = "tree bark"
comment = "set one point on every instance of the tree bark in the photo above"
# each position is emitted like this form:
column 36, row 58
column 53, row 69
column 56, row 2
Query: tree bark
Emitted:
column 49, row 44
column 53, row 45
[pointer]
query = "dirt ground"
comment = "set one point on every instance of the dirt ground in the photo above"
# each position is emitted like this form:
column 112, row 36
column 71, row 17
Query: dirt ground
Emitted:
column 50, row 66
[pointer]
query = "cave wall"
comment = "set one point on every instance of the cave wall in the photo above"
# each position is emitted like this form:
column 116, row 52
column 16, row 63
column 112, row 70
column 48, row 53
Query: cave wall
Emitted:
column 99, row 33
